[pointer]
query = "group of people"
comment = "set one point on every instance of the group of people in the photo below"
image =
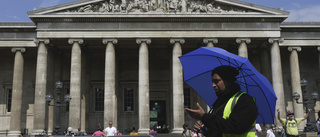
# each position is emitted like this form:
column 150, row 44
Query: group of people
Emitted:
column 269, row 131
column 189, row 133
column 152, row 132
column 112, row 131
column 69, row 132
column 234, row 113
column 109, row 131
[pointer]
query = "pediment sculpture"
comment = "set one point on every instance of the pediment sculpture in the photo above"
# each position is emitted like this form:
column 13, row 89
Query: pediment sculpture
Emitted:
column 159, row 6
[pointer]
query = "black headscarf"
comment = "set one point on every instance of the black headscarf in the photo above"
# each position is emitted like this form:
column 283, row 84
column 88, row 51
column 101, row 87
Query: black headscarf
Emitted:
column 227, row 73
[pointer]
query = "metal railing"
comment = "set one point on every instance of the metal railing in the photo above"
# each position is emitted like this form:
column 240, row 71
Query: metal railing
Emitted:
column 4, row 131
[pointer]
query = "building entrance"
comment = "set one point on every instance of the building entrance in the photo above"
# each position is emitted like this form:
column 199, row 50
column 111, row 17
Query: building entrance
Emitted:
column 158, row 116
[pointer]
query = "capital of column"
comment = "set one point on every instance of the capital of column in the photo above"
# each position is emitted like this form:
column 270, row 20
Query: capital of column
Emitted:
column 174, row 40
column 294, row 48
column 139, row 41
column 105, row 41
column 213, row 40
column 246, row 40
column 71, row 41
column 272, row 40
column 45, row 41
column 14, row 50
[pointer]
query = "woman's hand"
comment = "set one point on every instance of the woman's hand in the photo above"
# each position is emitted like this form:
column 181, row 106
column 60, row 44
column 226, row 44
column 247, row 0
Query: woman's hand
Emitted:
column 196, row 114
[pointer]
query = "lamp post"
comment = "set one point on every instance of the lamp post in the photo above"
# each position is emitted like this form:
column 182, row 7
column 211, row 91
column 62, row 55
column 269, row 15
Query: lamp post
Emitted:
column 58, row 104
column 305, row 102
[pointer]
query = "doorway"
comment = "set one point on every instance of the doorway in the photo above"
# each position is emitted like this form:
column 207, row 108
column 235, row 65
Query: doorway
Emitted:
column 158, row 116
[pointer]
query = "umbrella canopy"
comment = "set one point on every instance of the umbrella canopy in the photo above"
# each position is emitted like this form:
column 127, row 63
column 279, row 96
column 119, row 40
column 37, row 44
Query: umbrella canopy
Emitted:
column 198, row 64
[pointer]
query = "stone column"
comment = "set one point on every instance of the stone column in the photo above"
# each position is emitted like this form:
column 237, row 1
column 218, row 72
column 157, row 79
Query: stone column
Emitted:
column 75, row 84
column 265, row 68
column 277, row 81
column 210, row 41
column 177, row 86
column 243, row 50
column 40, row 87
column 144, row 117
column 110, row 108
column 15, row 122
column 295, row 82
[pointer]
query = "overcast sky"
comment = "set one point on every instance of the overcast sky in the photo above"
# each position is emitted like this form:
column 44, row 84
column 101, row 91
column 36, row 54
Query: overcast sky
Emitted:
column 300, row 10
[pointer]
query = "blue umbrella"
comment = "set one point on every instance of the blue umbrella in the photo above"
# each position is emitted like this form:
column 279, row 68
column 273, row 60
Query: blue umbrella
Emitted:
column 198, row 64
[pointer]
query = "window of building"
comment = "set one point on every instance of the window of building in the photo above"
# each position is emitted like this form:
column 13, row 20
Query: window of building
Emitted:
column 99, row 99
column 128, row 99
column 186, row 95
column 9, row 100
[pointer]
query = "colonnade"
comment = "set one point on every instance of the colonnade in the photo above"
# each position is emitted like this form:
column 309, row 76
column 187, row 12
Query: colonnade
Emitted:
column 77, row 107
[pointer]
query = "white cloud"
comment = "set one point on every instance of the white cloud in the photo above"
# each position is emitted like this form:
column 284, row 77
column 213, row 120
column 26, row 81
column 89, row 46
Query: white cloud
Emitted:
column 296, row 5
column 311, row 13
column 13, row 17
column 48, row 3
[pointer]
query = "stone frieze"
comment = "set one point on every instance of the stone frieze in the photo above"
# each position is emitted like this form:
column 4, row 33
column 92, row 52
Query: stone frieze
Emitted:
column 158, row 6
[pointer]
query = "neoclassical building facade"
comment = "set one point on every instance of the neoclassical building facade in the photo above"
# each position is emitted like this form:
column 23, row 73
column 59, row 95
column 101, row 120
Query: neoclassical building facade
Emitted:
column 118, row 60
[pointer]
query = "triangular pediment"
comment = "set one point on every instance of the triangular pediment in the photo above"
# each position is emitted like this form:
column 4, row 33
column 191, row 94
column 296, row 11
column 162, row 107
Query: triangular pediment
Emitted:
column 108, row 7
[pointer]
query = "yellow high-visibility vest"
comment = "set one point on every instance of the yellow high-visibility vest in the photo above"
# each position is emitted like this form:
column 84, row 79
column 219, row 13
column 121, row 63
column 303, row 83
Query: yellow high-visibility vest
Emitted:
column 227, row 111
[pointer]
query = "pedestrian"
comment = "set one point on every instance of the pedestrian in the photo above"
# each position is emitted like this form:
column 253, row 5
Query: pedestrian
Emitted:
column 118, row 133
column 318, row 124
column 110, row 130
column 258, row 130
column 226, row 118
column 291, row 123
column 79, row 133
column 133, row 131
column 269, row 131
column 196, row 134
column 283, row 132
column 70, row 129
column 98, row 133
column 65, row 132
column 153, row 132
column 186, row 131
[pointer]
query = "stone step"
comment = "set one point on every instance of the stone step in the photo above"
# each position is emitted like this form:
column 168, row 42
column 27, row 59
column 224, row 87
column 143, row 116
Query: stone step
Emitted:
column 169, row 135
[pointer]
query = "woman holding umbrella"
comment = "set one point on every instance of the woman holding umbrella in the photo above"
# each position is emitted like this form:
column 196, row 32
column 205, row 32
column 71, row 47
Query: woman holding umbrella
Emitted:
column 233, row 114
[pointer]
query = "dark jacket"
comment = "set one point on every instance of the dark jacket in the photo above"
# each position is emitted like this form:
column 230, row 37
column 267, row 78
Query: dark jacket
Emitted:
column 79, row 133
column 243, row 115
